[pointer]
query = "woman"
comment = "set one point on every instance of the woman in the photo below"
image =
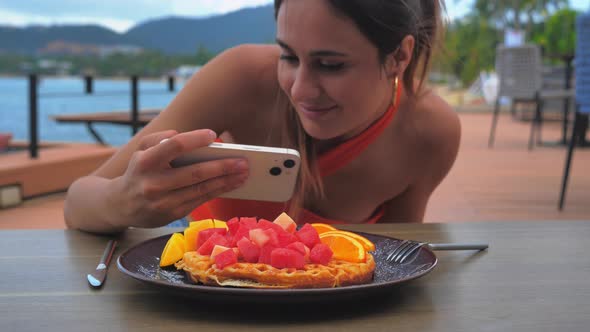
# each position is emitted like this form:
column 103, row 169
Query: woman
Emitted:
column 344, row 86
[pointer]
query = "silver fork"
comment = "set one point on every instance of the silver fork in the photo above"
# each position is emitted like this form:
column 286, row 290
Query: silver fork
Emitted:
column 408, row 247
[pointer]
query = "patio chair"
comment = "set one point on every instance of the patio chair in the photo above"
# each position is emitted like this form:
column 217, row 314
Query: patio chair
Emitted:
column 520, row 73
column 582, row 96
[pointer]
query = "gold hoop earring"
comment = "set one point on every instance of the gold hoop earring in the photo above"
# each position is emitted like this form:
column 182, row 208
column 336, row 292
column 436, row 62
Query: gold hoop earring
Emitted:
column 394, row 96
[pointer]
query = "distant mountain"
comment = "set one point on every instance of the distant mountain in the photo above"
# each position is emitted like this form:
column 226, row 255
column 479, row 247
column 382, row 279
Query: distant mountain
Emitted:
column 30, row 39
column 184, row 35
column 171, row 35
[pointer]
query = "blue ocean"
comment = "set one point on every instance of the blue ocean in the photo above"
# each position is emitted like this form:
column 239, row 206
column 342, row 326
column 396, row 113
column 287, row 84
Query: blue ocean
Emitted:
column 110, row 95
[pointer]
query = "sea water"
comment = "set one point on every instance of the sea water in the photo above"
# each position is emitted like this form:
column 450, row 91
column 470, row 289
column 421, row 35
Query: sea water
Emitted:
column 110, row 95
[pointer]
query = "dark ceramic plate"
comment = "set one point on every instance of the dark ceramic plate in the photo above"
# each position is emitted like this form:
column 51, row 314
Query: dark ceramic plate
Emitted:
column 142, row 263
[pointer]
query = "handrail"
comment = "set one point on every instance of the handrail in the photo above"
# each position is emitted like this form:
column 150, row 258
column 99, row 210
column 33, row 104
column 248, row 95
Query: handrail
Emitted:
column 34, row 95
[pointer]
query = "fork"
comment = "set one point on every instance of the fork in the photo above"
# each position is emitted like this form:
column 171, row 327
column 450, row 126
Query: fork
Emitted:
column 408, row 247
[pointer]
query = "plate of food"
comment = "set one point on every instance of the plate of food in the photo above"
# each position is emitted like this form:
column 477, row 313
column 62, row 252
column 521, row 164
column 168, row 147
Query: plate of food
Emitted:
column 261, row 261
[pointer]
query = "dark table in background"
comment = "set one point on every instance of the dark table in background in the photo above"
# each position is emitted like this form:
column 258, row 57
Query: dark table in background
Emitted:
column 535, row 277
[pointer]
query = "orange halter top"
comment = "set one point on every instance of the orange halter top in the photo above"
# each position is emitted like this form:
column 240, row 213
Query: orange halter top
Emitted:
column 328, row 162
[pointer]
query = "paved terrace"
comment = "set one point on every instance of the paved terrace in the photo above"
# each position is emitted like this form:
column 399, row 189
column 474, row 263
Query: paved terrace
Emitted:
column 505, row 183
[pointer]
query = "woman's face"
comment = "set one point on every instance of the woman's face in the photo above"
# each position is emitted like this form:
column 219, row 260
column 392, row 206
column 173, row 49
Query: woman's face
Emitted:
column 329, row 70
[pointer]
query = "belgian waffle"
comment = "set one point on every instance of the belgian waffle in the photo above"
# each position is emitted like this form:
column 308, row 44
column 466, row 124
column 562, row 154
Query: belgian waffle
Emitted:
column 336, row 273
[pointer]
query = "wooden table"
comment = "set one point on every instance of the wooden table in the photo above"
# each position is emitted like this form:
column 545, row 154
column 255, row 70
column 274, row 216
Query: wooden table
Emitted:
column 124, row 118
column 535, row 277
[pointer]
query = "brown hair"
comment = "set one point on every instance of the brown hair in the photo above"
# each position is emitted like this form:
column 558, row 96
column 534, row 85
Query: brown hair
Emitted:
column 385, row 23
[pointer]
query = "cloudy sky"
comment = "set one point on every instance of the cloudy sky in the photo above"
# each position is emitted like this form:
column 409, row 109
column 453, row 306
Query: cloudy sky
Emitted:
column 122, row 14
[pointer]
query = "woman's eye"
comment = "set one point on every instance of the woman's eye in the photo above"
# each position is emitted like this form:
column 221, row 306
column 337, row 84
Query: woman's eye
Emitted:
column 288, row 58
column 330, row 66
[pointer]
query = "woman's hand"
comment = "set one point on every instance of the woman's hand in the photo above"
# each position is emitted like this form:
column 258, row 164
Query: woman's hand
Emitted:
column 151, row 193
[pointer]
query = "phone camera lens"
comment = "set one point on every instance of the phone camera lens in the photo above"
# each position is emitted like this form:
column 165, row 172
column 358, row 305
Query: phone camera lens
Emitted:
column 289, row 163
column 275, row 171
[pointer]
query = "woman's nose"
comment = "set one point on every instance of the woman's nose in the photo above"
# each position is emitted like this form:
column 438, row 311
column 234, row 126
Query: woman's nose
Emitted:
column 305, row 86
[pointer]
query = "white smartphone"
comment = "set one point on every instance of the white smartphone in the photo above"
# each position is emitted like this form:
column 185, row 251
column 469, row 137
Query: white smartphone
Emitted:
column 273, row 171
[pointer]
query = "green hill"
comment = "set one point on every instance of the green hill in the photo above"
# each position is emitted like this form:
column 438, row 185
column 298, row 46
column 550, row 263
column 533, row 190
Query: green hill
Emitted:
column 171, row 35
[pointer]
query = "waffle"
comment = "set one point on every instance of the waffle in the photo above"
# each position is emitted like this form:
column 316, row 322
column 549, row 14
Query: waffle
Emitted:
column 336, row 273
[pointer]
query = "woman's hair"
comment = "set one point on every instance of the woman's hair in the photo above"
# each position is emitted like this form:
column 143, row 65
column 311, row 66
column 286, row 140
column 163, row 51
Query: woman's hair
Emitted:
column 384, row 23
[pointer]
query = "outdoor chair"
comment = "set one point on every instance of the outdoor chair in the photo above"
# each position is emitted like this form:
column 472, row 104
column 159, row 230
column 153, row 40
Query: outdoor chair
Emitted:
column 520, row 71
column 582, row 96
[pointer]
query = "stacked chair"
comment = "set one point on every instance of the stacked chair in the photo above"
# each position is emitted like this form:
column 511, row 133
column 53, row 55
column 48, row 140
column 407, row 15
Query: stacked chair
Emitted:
column 520, row 78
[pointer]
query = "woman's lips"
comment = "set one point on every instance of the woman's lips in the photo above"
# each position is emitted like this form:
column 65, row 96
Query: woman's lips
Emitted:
column 314, row 113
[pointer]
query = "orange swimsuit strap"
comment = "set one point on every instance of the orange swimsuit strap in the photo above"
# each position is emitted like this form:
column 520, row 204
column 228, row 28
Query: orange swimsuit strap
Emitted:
column 336, row 158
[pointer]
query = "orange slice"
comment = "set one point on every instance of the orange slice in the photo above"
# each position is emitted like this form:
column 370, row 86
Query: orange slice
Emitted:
column 173, row 251
column 322, row 228
column 369, row 246
column 344, row 247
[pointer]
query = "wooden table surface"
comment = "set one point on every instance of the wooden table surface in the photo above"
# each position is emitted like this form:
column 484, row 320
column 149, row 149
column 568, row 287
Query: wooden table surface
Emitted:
column 534, row 277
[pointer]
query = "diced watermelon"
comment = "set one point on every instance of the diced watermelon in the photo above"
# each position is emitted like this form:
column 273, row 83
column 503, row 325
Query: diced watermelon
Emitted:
column 308, row 235
column 218, row 249
column 286, row 258
column 251, row 222
column 273, row 238
column 242, row 232
column 205, row 234
column 265, row 253
column 265, row 224
column 215, row 239
column 286, row 238
column 232, row 225
column 249, row 251
column 226, row 258
column 321, row 254
column 259, row 237
column 298, row 246
column 286, row 222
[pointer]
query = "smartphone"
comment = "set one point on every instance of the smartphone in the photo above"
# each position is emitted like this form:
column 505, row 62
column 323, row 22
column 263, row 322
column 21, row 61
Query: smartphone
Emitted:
column 273, row 171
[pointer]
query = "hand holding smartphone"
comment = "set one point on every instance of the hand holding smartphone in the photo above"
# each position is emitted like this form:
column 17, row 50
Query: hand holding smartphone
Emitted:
column 273, row 171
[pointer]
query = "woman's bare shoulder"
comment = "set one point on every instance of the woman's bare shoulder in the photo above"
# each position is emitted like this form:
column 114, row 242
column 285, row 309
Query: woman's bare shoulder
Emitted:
column 438, row 134
column 253, row 64
column 231, row 86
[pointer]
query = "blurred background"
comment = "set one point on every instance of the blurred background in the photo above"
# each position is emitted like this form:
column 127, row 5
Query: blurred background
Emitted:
column 121, row 57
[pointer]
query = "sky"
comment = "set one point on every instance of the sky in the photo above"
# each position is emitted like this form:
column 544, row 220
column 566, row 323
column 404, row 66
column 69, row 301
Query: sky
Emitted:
column 121, row 15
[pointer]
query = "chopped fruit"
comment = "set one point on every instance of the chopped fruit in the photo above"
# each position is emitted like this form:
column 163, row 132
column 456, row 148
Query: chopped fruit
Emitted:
column 249, row 251
column 251, row 222
column 192, row 232
column 218, row 249
column 233, row 225
column 286, row 222
column 273, row 238
column 265, row 224
column 173, row 251
column 345, row 247
column 265, row 254
column 205, row 234
column 286, row 258
column 242, row 232
column 219, row 224
column 308, row 235
column 226, row 258
column 286, row 238
column 205, row 223
column 215, row 239
column 277, row 243
column 299, row 247
column 369, row 246
column 320, row 254
column 259, row 237
column 322, row 228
